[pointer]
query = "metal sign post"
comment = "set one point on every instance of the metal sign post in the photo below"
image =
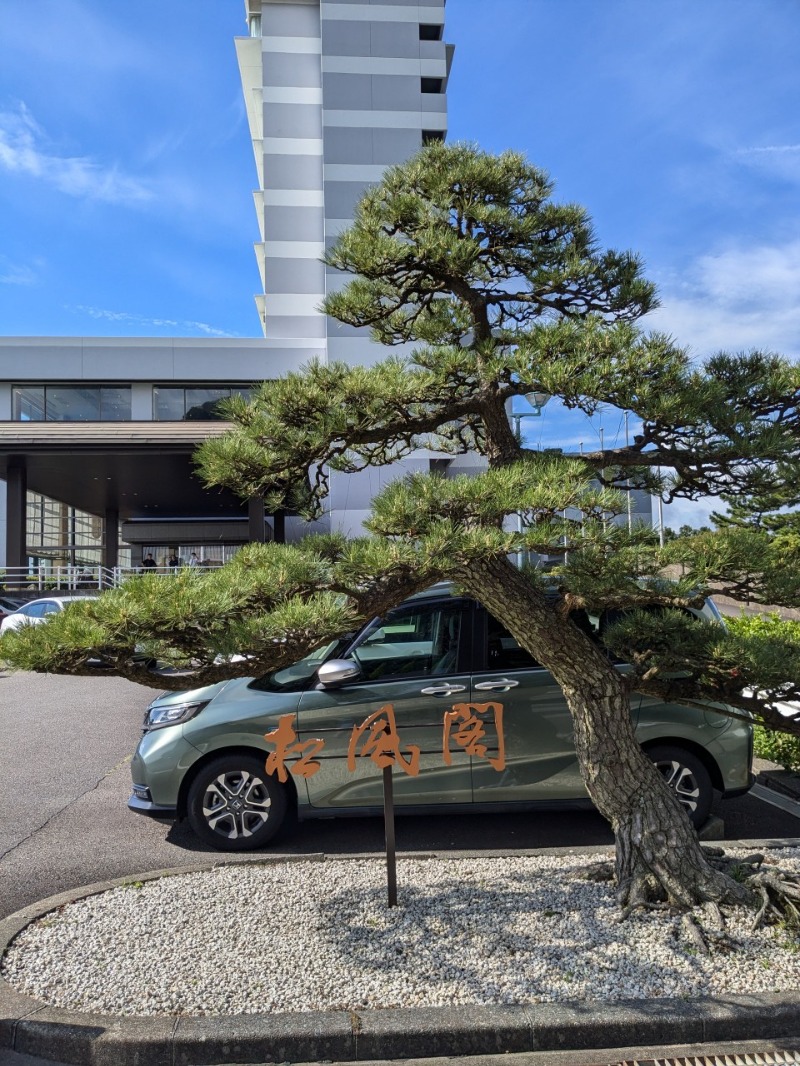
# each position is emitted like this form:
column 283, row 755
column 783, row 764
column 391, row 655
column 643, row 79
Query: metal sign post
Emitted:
column 388, row 821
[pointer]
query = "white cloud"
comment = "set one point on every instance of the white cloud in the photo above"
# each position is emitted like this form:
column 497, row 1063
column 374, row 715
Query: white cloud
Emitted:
column 777, row 160
column 693, row 513
column 24, row 150
column 180, row 325
column 739, row 299
column 17, row 273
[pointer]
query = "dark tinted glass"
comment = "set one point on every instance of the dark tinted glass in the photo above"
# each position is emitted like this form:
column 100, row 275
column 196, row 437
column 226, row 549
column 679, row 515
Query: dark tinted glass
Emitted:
column 502, row 650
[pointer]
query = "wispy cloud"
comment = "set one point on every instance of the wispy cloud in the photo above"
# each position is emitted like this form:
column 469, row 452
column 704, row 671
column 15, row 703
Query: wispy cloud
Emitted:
column 776, row 160
column 776, row 149
column 24, row 150
column 17, row 273
column 741, row 298
column 158, row 323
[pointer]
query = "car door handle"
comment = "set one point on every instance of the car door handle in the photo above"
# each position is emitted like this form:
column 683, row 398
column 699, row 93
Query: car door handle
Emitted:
column 502, row 683
column 443, row 690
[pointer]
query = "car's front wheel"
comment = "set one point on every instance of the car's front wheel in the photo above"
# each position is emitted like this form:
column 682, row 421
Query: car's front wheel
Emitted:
column 688, row 778
column 235, row 805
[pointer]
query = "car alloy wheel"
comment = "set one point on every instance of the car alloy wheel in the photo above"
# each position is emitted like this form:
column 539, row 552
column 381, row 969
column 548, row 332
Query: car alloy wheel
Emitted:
column 235, row 805
column 688, row 778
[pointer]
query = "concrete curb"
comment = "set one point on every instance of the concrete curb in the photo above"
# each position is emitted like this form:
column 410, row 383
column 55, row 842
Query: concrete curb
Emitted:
column 31, row 1027
column 785, row 782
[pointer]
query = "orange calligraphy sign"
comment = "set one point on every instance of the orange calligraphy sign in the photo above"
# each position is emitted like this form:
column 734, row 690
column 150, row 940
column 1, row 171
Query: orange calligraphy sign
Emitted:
column 465, row 725
column 382, row 743
column 377, row 739
column 287, row 746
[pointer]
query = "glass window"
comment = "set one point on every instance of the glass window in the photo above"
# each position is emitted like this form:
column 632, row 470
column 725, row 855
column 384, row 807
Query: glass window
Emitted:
column 65, row 403
column 429, row 31
column 502, row 650
column 28, row 403
column 420, row 641
column 201, row 404
column 168, row 404
column 173, row 403
column 71, row 403
column 115, row 403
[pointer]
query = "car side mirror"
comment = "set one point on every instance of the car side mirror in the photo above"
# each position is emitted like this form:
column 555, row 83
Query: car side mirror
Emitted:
column 337, row 672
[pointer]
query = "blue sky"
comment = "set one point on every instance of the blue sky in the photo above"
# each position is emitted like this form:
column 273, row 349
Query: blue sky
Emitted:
column 126, row 168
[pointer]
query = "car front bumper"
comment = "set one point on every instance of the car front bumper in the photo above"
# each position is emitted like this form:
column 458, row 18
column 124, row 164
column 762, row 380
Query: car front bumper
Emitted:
column 140, row 802
column 731, row 793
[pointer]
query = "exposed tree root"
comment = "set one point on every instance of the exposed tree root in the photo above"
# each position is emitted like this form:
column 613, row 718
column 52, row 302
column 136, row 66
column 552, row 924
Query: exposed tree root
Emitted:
column 692, row 932
column 754, row 881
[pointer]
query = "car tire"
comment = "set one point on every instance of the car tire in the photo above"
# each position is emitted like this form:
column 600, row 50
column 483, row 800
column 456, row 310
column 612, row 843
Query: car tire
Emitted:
column 688, row 778
column 235, row 805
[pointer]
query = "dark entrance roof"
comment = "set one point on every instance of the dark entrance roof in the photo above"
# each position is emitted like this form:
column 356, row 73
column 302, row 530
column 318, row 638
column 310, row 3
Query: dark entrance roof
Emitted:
column 141, row 469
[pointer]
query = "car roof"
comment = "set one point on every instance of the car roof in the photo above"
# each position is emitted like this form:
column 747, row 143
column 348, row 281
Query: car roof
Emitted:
column 56, row 598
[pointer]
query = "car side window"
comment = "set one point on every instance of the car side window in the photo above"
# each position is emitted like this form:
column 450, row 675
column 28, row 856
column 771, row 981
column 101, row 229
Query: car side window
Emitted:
column 50, row 608
column 503, row 652
column 418, row 641
column 35, row 610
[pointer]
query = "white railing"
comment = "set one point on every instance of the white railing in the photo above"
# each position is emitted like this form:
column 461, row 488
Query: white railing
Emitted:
column 47, row 578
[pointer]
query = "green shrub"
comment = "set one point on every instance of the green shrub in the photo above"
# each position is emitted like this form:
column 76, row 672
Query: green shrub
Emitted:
column 779, row 748
column 763, row 625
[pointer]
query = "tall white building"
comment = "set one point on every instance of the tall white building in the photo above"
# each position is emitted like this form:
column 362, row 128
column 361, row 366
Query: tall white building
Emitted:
column 335, row 92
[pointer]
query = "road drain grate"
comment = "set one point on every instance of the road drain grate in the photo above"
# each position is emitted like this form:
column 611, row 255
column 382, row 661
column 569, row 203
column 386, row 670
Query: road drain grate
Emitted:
column 747, row 1058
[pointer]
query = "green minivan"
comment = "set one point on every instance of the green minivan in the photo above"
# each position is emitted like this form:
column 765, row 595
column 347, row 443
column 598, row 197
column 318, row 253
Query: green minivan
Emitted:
column 438, row 689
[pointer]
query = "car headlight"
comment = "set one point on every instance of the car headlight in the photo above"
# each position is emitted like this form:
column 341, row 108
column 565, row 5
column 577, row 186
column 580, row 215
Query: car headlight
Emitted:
column 157, row 716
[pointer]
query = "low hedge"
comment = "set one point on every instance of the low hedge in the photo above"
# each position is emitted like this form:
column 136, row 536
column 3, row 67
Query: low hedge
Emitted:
column 779, row 748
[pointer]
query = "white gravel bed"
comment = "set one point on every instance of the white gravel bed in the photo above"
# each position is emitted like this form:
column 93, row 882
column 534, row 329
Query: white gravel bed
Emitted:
column 302, row 936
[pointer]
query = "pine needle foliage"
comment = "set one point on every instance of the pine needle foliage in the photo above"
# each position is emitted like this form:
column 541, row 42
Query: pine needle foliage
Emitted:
column 496, row 290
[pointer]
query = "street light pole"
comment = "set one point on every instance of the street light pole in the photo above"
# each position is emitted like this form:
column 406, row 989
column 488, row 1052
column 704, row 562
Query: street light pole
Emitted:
column 537, row 400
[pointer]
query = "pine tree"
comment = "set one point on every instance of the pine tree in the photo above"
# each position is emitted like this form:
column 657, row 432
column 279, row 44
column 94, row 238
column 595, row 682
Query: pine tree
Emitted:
column 502, row 292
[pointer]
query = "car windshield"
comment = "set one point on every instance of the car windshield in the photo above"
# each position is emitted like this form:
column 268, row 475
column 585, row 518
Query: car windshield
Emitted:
column 297, row 676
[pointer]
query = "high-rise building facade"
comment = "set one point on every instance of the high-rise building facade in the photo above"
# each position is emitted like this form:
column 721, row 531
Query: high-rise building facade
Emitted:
column 334, row 92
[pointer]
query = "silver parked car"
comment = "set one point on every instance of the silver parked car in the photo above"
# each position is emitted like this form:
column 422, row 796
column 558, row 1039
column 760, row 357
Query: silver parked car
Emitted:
column 35, row 611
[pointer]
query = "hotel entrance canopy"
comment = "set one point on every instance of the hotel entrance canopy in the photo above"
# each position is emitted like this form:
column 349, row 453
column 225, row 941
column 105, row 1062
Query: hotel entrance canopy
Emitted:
column 138, row 473
column 138, row 469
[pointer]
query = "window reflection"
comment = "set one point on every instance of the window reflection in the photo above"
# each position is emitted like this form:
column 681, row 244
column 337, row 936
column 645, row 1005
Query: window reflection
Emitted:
column 193, row 403
column 28, row 403
column 201, row 404
column 71, row 403
column 115, row 404
column 112, row 403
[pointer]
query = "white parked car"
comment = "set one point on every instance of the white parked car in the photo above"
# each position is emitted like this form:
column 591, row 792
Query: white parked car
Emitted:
column 36, row 611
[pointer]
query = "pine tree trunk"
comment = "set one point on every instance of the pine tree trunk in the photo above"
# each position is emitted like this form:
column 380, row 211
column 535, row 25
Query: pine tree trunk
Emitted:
column 658, row 854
